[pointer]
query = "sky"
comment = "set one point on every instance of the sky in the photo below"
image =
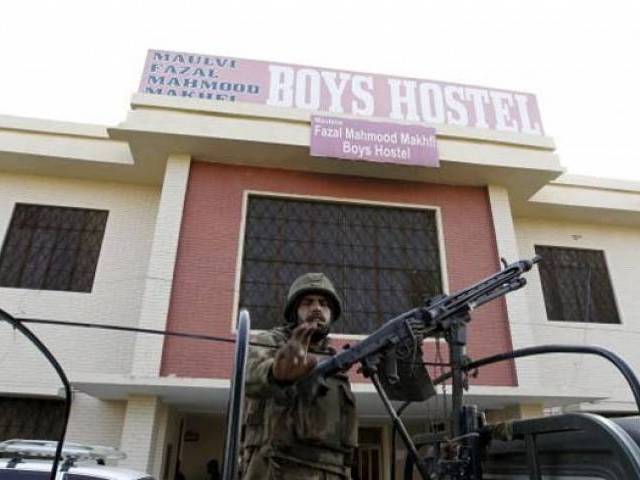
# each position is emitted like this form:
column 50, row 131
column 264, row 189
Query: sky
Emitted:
column 81, row 60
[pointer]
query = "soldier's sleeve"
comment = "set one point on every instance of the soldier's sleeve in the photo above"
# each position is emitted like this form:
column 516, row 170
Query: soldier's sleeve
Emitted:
column 259, row 380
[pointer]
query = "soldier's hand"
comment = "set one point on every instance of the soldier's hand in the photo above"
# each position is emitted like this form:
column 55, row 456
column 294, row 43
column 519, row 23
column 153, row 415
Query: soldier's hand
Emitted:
column 292, row 361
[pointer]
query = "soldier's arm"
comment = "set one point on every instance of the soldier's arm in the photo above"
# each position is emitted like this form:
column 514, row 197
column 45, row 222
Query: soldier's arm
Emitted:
column 259, row 378
column 271, row 369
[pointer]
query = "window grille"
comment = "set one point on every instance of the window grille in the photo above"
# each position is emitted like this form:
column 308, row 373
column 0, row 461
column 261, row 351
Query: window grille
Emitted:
column 52, row 248
column 576, row 285
column 382, row 260
column 30, row 418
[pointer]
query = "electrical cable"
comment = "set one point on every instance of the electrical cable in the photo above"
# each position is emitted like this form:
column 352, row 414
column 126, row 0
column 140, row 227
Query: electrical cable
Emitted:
column 622, row 366
column 169, row 333
column 151, row 331
column 17, row 324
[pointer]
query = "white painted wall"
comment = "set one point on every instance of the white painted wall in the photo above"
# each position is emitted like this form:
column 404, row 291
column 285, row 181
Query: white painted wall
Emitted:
column 117, row 291
column 580, row 374
column 154, row 309
column 517, row 308
column 143, row 418
column 96, row 422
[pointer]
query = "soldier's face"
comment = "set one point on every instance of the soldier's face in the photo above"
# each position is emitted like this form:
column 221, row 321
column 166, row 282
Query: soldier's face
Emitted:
column 315, row 308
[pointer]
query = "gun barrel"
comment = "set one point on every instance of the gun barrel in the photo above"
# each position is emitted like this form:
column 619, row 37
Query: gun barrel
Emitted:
column 490, row 288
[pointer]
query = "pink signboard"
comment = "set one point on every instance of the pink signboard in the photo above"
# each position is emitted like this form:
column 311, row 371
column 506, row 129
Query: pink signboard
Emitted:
column 373, row 141
column 340, row 92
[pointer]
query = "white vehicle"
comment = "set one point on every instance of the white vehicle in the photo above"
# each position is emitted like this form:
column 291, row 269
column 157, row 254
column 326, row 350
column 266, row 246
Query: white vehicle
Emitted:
column 33, row 459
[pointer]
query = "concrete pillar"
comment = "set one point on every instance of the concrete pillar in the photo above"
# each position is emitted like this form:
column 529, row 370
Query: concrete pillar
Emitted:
column 520, row 324
column 162, row 430
column 144, row 426
column 157, row 293
column 96, row 422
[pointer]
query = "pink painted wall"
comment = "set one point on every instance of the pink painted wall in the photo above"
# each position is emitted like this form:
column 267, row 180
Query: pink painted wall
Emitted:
column 205, row 274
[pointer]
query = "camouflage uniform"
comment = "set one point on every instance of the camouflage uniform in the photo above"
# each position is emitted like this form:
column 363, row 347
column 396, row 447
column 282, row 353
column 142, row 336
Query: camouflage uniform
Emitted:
column 292, row 437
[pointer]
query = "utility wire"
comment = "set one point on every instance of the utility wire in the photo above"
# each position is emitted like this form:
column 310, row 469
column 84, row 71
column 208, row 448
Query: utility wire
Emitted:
column 17, row 324
column 151, row 331
column 169, row 333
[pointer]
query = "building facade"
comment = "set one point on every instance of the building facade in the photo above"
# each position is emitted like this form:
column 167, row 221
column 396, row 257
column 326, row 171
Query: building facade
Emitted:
column 191, row 208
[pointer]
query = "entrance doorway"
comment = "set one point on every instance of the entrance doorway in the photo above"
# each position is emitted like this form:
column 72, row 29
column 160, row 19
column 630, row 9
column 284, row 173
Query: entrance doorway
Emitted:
column 201, row 446
column 202, row 440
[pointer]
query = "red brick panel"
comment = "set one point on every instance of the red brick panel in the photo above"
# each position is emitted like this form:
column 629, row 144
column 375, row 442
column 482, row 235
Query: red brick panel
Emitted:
column 205, row 274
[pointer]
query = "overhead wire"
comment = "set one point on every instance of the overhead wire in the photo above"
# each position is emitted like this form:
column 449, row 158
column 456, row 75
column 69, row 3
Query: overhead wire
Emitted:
column 18, row 325
column 150, row 331
column 168, row 333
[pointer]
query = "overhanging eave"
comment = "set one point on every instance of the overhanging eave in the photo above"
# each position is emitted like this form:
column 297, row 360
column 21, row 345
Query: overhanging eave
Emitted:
column 259, row 136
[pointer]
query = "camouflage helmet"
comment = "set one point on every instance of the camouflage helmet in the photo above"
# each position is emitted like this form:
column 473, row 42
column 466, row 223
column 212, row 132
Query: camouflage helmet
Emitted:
column 310, row 283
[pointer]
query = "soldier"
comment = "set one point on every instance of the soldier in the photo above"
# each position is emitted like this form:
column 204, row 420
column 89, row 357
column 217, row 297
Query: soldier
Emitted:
column 291, row 436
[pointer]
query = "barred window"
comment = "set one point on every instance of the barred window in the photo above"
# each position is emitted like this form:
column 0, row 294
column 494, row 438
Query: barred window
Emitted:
column 31, row 418
column 52, row 248
column 576, row 285
column 382, row 260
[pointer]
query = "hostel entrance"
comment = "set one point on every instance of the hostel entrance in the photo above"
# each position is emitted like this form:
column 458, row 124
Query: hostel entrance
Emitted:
column 202, row 446
column 203, row 443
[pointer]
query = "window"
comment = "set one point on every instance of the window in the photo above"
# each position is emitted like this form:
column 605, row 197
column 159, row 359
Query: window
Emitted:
column 52, row 248
column 31, row 418
column 382, row 260
column 576, row 285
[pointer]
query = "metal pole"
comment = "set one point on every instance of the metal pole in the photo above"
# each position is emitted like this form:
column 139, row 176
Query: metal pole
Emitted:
column 456, row 337
column 404, row 435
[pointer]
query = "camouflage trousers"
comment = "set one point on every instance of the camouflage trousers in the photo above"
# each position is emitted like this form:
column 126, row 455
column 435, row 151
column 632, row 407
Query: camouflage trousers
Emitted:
column 260, row 466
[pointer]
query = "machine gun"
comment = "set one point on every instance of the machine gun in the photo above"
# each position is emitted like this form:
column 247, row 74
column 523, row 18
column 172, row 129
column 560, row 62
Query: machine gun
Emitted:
column 401, row 337
column 392, row 358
